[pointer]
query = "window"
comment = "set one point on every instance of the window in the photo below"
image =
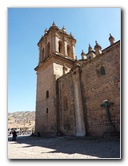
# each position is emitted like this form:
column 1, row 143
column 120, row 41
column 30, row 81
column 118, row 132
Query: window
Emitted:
column 47, row 110
column 47, row 94
column 60, row 47
column 48, row 49
column 68, row 50
column 102, row 70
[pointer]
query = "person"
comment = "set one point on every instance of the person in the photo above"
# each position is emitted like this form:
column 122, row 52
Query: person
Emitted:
column 14, row 135
column 38, row 134
column 33, row 134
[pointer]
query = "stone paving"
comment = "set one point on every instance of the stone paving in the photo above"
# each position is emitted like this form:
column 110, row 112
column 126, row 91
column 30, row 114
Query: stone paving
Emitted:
column 26, row 147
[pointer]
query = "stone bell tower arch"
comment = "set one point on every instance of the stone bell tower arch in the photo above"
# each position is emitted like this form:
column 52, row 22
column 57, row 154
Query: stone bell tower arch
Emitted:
column 56, row 52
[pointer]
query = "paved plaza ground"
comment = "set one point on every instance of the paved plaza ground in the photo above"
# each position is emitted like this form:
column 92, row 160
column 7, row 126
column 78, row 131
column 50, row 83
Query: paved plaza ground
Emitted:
column 26, row 147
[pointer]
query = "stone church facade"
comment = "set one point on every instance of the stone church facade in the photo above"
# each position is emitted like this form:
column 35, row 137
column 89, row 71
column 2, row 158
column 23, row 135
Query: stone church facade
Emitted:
column 76, row 97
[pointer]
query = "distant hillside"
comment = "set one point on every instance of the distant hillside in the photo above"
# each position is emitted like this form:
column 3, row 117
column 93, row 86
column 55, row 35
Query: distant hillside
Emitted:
column 22, row 119
column 22, row 115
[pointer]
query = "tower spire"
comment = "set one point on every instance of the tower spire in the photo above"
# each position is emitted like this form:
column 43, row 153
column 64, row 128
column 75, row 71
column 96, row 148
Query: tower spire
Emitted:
column 97, row 48
column 89, row 48
column 53, row 24
column 111, row 39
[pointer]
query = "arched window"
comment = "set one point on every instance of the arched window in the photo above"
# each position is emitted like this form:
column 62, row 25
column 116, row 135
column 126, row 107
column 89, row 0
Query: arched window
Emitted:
column 102, row 70
column 48, row 49
column 68, row 50
column 47, row 110
column 60, row 47
column 47, row 94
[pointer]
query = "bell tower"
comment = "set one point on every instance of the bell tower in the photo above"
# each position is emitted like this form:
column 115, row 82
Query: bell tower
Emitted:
column 56, row 57
column 56, row 41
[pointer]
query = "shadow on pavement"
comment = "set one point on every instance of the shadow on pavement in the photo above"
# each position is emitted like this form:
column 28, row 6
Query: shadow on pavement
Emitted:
column 94, row 147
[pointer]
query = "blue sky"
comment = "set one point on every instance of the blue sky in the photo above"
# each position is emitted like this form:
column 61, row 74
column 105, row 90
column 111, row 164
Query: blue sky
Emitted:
column 25, row 28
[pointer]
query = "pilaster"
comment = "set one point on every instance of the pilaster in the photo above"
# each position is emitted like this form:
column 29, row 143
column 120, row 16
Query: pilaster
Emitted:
column 80, row 126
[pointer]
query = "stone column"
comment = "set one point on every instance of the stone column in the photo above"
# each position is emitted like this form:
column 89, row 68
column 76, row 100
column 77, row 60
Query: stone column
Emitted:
column 65, row 47
column 79, row 115
column 56, row 43
column 73, row 52
column 52, row 43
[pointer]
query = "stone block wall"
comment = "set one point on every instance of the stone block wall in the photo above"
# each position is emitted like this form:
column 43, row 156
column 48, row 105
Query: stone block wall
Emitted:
column 66, row 114
column 46, row 101
column 97, row 87
column 94, row 88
